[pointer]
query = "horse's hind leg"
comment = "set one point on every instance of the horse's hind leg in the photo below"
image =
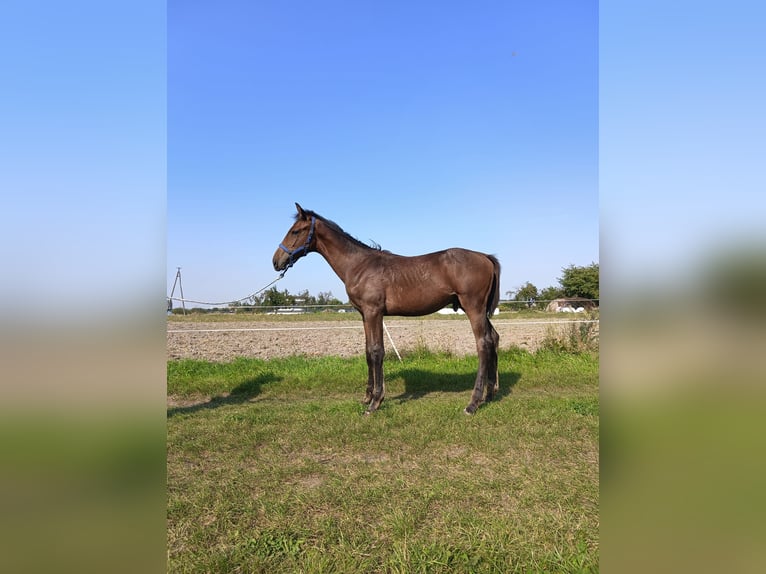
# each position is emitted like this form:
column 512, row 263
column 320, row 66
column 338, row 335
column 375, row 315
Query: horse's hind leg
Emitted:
column 486, row 346
column 493, row 382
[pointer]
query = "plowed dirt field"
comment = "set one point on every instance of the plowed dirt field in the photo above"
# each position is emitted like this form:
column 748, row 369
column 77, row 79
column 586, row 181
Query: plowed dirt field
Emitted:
column 223, row 340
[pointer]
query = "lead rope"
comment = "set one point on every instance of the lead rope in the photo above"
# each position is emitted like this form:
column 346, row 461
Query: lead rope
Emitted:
column 392, row 342
column 261, row 290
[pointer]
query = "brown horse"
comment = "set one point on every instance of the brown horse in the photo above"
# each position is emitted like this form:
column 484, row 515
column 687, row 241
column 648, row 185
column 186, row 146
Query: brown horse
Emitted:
column 381, row 283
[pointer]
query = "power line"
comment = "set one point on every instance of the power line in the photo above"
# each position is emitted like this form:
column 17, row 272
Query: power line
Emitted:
column 184, row 301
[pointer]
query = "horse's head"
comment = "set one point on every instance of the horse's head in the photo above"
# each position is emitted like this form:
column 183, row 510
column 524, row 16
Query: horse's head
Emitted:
column 299, row 241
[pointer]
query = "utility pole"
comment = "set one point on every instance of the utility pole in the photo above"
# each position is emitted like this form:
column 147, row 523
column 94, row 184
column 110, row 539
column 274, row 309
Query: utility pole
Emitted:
column 181, row 289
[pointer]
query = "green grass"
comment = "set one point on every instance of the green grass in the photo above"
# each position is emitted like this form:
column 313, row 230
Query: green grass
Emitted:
column 272, row 468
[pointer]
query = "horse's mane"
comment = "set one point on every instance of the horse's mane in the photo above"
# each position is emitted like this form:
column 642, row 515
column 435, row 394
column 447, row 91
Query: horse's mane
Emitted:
column 337, row 228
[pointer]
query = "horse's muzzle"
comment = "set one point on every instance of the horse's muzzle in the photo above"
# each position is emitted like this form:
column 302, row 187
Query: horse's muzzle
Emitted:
column 280, row 260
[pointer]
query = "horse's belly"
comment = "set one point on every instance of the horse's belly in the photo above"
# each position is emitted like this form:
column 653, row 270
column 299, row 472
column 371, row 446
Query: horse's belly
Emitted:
column 416, row 303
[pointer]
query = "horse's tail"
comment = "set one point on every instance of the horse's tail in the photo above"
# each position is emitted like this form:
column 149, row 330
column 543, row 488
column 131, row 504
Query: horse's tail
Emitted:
column 493, row 298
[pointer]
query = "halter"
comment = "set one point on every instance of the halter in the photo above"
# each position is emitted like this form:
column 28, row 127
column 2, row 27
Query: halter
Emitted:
column 299, row 251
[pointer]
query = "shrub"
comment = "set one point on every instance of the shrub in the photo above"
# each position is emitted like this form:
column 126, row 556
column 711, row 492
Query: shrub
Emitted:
column 575, row 337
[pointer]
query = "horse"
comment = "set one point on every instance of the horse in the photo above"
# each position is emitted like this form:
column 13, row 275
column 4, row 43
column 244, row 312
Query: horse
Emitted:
column 380, row 283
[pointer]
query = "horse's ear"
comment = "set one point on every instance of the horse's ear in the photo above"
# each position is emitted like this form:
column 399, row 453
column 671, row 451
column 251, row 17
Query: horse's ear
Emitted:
column 301, row 213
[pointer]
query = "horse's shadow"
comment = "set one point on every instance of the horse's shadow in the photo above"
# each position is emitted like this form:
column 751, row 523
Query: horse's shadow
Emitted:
column 242, row 393
column 418, row 383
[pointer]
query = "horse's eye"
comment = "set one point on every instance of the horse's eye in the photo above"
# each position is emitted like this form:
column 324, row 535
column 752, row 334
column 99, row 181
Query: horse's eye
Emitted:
column 296, row 232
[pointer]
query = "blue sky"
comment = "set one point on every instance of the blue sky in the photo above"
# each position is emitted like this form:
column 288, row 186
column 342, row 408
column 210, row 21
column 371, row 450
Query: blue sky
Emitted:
column 120, row 159
column 682, row 136
column 419, row 126
column 82, row 156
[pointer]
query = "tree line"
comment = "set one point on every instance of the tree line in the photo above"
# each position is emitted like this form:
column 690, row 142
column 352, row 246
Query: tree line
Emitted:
column 575, row 281
column 275, row 298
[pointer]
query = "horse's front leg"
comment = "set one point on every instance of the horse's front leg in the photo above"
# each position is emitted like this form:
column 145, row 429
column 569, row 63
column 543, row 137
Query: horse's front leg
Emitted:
column 370, row 379
column 376, row 389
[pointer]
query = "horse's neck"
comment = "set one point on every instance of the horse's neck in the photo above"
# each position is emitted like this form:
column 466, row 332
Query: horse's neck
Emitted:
column 341, row 254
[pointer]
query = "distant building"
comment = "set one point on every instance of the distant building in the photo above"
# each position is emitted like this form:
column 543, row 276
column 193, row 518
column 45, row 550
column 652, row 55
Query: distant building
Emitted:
column 288, row 311
column 571, row 305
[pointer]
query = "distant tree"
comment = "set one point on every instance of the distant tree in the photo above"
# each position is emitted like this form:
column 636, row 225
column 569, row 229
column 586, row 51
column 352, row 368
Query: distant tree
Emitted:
column 551, row 293
column 526, row 295
column 304, row 298
column 276, row 298
column 326, row 298
column 526, row 292
column 273, row 297
column 580, row 281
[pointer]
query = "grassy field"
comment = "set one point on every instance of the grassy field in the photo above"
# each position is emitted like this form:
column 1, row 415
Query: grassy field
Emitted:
column 272, row 468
